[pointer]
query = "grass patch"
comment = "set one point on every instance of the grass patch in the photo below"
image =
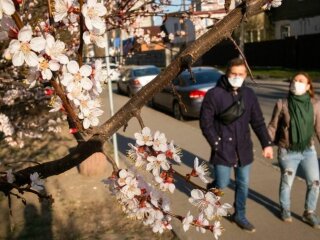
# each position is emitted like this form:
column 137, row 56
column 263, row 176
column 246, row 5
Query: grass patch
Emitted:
column 277, row 72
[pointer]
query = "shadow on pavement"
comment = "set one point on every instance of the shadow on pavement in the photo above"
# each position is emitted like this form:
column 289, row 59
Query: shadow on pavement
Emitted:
column 182, row 186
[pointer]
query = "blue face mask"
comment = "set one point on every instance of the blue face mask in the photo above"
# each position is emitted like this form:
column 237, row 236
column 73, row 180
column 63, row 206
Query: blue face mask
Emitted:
column 236, row 82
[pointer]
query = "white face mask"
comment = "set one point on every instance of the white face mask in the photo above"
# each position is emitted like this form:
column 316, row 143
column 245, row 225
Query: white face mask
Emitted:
column 298, row 88
column 236, row 82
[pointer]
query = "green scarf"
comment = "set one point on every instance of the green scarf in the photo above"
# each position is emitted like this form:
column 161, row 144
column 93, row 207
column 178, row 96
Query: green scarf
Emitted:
column 301, row 121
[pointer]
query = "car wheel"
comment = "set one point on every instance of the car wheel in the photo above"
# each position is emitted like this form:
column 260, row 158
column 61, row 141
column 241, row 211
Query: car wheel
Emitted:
column 130, row 94
column 119, row 89
column 177, row 114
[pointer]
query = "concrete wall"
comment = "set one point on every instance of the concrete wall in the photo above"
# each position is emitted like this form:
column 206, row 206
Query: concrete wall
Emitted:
column 302, row 26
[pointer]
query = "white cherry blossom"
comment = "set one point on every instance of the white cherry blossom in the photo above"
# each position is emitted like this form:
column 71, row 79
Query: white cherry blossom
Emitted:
column 156, row 163
column 173, row 152
column 93, row 13
column 201, row 220
column 217, row 229
column 5, row 125
column 137, row 155
column 56, row 49
column 131, row 188
column 76, row 95
column 7, row 7
column 276, row 3
column 77, row 75
column 91, row 118
column 160, row 142
column 206, row 202
column 36, row 183
column 201, row 170
column 95, row 37
column 61, row 8
column 164, row 185
column 46, row 67
column 123, row 174
column 24, row 48
column 187, row 221
column 144, row 138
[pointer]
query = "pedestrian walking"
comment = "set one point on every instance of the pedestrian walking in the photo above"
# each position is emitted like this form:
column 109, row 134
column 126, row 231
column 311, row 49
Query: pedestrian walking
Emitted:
column 294, row 122
column 226, row 114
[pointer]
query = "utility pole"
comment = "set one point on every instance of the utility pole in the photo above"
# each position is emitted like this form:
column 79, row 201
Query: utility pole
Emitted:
column 114, row 136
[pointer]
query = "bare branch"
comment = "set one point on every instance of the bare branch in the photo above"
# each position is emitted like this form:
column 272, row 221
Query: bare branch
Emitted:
column 181, row 103
column 243, row 57
column 137, row 114
column 220, row 31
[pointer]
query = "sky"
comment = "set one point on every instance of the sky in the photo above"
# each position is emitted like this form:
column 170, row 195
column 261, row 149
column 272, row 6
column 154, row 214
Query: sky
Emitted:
column 176, row 6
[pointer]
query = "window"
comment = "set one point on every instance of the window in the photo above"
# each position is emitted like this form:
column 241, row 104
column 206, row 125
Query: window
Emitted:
column 201, row 77
column 285, row 31
column 145, row 72
column 176, row 27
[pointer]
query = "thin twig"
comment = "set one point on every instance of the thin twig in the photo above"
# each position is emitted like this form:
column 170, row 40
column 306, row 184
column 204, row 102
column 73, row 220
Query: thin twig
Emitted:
column 243, row 57
column 189, row 181
column 175, row 92
column 137, row 114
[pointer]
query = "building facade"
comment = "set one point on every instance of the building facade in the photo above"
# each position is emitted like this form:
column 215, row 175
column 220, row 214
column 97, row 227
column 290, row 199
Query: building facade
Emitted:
column 296, row 17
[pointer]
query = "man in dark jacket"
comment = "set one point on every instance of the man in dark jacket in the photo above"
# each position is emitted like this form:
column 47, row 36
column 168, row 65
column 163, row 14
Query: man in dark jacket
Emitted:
column 228, row 134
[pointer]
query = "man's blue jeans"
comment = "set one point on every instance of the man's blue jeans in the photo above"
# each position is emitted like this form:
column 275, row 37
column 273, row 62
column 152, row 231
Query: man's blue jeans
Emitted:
column 289, row 162
column 222, row 179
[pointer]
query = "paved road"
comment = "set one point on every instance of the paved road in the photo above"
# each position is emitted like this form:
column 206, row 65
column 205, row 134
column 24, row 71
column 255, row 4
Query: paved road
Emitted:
column 263, row 199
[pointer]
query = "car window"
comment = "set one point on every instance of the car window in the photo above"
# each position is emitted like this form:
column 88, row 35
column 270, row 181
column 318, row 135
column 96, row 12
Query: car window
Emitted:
column 200, row 78
column 176, row 81
column 145, row 72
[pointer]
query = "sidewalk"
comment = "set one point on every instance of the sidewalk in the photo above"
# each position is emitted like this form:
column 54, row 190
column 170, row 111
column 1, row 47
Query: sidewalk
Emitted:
column 262, row 204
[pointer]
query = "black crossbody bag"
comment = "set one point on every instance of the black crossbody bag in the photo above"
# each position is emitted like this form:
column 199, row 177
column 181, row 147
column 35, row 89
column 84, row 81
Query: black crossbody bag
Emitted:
column 233, row 112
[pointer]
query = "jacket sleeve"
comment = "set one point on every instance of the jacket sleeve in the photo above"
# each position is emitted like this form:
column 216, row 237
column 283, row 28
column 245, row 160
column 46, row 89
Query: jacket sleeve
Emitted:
column 317, row 119
column 207, row 114
column 258, row 125
column 273, row 124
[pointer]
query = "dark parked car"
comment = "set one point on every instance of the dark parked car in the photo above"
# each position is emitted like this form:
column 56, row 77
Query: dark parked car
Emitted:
column 191, row 92
column 133, row 78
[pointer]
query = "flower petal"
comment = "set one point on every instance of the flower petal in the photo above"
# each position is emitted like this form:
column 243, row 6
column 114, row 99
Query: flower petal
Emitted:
column 85, row 70
column 73, row 67
column 25, row 34
column 31, row 59
column 18, row 59
column 86, row 123
column 63, row 59
column 38, row 44
column 53, row 65
column 8, row 7
column 197, row 194
column 86, row 83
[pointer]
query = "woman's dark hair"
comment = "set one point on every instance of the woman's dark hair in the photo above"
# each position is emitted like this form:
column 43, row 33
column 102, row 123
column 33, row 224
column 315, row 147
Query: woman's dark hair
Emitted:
column 307, row 76
column 234, row 62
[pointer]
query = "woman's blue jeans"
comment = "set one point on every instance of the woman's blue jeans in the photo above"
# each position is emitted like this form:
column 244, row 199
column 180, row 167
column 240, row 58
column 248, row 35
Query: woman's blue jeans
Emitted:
column 222, row 179
column 289, row 162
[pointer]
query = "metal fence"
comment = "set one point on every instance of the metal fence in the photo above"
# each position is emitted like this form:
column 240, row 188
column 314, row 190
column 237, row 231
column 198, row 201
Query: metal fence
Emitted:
column 301, row 52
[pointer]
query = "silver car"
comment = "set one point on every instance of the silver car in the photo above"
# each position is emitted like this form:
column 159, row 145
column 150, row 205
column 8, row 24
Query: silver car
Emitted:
column 191, row 92
column 133, row 78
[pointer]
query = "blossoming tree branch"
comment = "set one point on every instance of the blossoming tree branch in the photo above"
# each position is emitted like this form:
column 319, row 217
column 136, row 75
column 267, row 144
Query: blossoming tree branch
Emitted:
column 47, row 50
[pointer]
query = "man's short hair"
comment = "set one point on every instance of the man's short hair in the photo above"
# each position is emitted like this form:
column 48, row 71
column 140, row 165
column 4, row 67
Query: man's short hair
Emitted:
column 235, row 62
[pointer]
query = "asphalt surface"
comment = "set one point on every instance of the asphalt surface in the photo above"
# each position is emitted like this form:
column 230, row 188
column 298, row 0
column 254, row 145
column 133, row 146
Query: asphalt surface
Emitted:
column 262, row 205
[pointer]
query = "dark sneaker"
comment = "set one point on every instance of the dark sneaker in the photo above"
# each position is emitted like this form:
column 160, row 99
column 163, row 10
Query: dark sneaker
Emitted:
column 210, row 185
column 244, row 224
column 286, row 215
column 312, row 219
